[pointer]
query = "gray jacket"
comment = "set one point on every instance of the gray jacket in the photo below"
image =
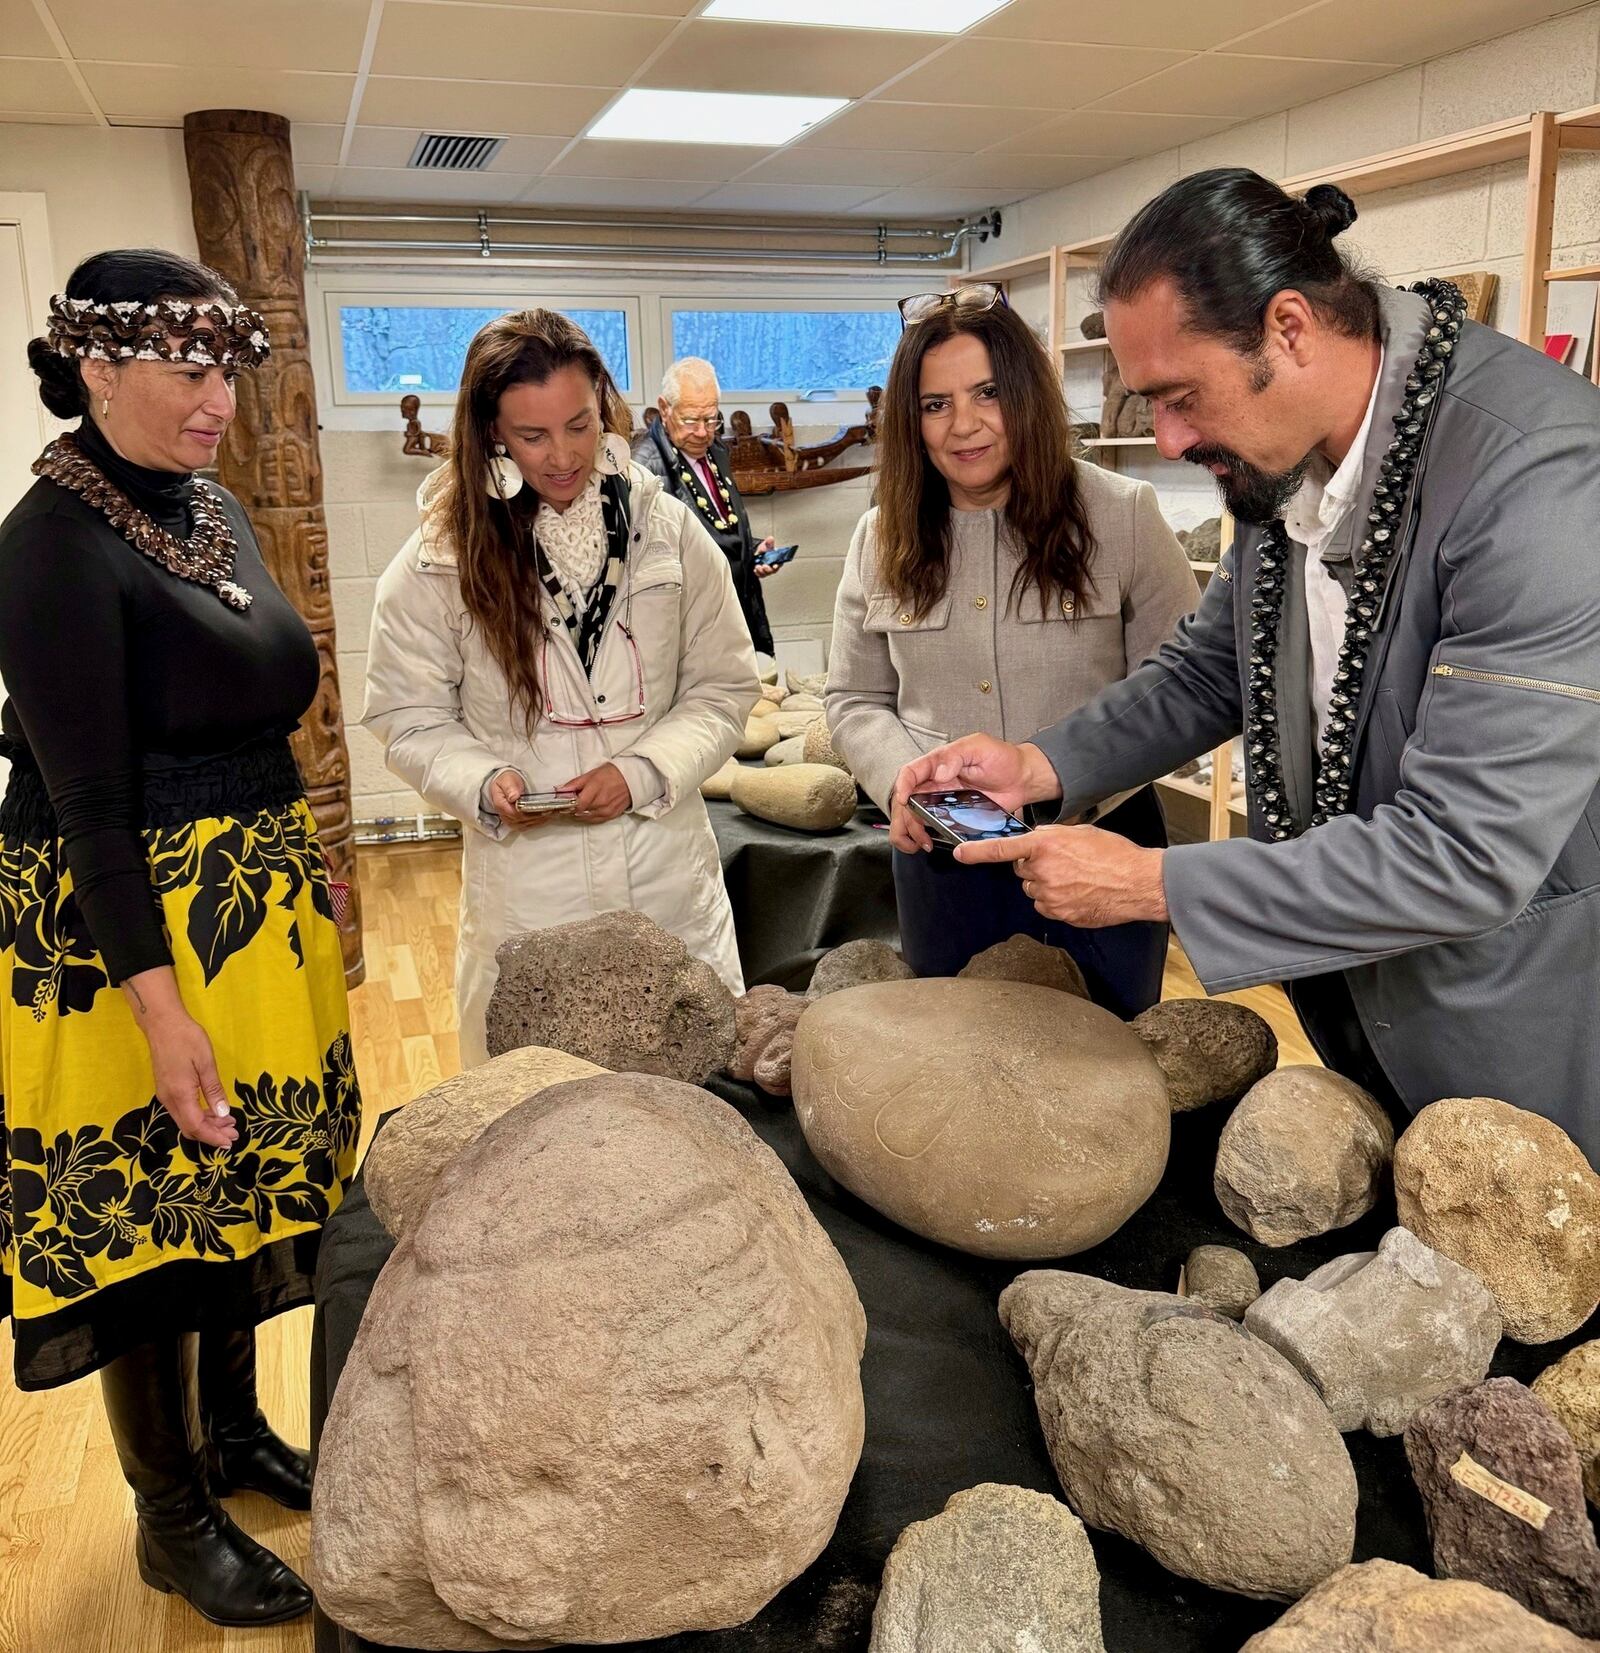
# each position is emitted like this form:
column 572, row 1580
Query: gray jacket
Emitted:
column 1461, row 897
column 899, row 685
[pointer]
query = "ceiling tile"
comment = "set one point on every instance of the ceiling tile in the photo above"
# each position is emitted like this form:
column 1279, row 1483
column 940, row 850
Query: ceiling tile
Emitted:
column 1025, row 173
column 480, row 106
column 1222, row 83
column 315, row 145
column 286, row 34
column 1038, row 75
column 22, row 32
column 603, row 158
column 1380, row 31
column 926, row 201
column 717, row 56
column 316, row 179
column 646, row 194
column 150, row 91
column 1115, row 136
column 641, row 8
column 376, row 183
column 789, row 198
column 849, row 166
column 939, row 126
column 468, row 42
column 1177, row 23
column 37, row 86
column 384, row 145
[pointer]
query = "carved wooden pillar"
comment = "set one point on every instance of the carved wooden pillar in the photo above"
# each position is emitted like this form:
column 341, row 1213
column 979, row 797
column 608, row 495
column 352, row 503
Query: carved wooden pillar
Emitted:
column 248, row 227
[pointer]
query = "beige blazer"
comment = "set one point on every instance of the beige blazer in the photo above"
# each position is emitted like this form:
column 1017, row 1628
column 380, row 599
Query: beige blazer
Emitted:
column 979, row 663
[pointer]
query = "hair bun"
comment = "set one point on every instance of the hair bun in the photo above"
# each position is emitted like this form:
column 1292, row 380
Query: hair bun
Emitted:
column 1331, row 207
column 60, row 384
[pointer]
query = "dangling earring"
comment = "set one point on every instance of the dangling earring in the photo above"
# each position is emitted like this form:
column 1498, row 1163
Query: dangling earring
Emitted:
column 504, row 480
column 105, row 408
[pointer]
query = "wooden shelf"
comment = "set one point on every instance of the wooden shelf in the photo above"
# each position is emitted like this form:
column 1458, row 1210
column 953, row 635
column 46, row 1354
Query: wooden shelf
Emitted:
column 1073, row 346
column 1120, row 442
column 1011, row 270
column 1204, row 567
column 1240, row 806
column 1188, row 785
column 1584, row 272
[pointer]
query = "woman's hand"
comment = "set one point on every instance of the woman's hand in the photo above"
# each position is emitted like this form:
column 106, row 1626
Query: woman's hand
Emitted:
column 503, row 792
column 1012, row 775
column 187, row 1084
column 602, row 795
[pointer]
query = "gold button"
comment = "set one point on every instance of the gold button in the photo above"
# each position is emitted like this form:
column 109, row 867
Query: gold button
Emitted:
column 982, row 602
column 983, row 687
column 1066, row 605
column 905, row 619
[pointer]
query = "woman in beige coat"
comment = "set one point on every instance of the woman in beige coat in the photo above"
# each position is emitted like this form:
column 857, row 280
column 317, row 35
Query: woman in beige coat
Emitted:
column 997, row 585
column 573, row 631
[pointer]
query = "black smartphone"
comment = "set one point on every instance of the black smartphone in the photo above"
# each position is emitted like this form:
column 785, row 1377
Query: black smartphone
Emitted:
column 961, row 815
column 777, row 556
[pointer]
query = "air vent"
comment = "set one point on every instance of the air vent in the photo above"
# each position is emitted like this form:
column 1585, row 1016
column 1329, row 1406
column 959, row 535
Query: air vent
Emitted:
column 453, row 152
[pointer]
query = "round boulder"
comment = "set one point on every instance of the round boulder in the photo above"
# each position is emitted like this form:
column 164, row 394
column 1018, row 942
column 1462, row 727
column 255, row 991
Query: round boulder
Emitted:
column 1021, row 958
column 1509, row 1195
column 1209, row 1049
column 810, row 797
column 407, row 1155
column 617, row 990
column 856, row 963
column 1222, row 1279
column 607, row 1389
column 1303, row 1153
column 1005, row 1120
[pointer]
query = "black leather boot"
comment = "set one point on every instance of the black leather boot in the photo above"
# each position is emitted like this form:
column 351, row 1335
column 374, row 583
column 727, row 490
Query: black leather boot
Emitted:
column 186, row 1543
column 242, row 1453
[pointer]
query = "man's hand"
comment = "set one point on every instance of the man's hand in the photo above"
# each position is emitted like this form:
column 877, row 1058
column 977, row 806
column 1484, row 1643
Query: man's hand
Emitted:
column 1012, row 775
column 603, row 795
column 1080, row 874
column 764, row 570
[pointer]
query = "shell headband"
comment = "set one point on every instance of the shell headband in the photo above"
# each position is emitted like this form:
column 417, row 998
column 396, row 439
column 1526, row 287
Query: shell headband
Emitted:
column 209, row 335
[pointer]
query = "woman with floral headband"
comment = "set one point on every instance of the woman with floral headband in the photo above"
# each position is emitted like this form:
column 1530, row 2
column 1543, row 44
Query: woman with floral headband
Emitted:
column 180, row 1110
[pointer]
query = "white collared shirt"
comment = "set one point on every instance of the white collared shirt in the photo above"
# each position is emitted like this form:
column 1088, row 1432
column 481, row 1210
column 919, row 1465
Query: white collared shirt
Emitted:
column 1321, row 504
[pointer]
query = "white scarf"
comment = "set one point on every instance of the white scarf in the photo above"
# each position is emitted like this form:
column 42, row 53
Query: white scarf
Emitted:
column 575, row 542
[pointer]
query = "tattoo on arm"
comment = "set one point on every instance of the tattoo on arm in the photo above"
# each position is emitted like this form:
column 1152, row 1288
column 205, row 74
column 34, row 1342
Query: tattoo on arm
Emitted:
column 133, row 993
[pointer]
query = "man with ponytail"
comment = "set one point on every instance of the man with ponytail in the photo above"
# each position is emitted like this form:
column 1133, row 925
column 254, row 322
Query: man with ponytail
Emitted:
column 1405, row 634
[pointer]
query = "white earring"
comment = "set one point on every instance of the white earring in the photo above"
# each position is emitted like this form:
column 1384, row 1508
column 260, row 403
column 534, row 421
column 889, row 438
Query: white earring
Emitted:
column 613, row 455
column 504, row 480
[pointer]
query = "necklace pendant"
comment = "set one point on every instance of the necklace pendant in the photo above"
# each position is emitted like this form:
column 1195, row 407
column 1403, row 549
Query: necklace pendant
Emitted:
column 235, row 596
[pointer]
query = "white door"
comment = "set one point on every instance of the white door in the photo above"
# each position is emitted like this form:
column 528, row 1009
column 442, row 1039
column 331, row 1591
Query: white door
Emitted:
column 25, row 427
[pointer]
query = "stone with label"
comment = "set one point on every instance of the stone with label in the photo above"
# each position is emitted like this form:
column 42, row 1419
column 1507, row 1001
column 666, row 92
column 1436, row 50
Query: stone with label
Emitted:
column 1502, row 1487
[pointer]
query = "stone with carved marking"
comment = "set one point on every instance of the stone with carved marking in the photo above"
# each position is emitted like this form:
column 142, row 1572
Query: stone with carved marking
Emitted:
column 1382, row 1607
column 606, row 1389
column 1001, row 1118
column 1502, row 1488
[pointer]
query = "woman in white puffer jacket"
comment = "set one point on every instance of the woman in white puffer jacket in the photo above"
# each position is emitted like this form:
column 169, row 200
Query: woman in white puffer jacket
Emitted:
column 559, row 624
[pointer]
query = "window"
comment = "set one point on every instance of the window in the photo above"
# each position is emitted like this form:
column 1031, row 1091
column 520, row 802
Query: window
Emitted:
column 791, row 351
column 421, row 347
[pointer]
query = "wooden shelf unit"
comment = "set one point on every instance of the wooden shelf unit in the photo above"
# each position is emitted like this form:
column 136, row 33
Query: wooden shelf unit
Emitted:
column 1047, row 264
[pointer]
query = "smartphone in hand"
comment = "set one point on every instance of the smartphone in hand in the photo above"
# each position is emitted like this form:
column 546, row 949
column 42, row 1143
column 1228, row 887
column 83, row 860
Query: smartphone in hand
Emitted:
column 963, row 815
column 777, row 556
column 546, row 803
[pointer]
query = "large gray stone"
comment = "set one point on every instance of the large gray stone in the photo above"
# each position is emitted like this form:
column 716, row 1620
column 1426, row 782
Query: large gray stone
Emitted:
column 1306, row 1151
column 1006, row 1120
column 1221, row 1278
column 1382, row 1607
column 1171, row 1425
column 811, row 797
column 855, row 963
column 999, row 1570
column 617, row 990
column 606, row 1389
column 1502, row 1489
column 1379, row 1334
column 1021, row 958
column 1209, row 1049
column 1571, row 1389
column 407, row 1155
column 1508, row 1194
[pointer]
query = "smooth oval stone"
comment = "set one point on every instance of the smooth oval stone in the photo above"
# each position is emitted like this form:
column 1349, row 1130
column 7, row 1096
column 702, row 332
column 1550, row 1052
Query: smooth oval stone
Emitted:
column 1003, row 1119
column 810, row 797
column 1508, row 1194
column 794, row 725
column 792, row 750
column 720, row 783
column 759, row 734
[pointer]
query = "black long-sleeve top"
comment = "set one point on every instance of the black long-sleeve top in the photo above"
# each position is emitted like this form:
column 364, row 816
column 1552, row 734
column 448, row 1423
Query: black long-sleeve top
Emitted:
column 108, row 659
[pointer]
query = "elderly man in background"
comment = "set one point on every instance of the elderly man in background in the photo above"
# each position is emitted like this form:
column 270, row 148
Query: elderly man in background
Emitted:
column 682, row 448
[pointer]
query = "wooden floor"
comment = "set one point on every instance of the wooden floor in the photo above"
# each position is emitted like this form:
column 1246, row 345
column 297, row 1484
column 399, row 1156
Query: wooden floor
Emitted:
column 67, row 1582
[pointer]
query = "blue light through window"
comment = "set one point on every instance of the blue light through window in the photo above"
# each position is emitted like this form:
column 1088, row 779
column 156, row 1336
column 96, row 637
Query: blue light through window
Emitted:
column 790, row 350
column 420, row 347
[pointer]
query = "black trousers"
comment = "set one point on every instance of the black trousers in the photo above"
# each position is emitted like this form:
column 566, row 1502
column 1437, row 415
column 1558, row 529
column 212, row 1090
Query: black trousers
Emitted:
column 949, row 912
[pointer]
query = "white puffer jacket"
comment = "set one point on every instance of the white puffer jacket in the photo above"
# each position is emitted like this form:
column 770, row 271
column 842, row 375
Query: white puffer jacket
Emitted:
column 441, row 708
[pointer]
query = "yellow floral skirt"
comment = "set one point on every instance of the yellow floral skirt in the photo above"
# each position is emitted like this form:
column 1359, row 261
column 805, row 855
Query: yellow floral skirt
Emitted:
column 113, row 1227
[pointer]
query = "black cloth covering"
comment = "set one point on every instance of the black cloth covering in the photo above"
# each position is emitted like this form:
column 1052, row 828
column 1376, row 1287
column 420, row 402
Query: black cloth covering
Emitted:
column 949, row 1402
column 796, row 894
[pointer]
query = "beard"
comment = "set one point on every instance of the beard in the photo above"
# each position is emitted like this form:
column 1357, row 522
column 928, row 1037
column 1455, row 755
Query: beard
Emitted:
column 1250, row 494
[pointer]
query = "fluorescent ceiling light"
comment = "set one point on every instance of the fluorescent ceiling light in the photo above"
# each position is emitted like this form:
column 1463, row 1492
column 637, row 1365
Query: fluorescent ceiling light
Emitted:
column 651, row 116
column 920, row 16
